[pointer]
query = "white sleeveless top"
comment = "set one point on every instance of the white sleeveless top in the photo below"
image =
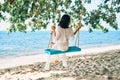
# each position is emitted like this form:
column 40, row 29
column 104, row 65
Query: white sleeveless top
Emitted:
column 62, row 38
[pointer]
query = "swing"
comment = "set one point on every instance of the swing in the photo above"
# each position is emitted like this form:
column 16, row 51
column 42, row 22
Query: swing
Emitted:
column 70, row 49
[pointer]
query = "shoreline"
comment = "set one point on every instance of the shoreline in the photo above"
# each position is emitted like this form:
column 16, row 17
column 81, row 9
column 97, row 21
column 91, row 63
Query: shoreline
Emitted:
column 41, row 51
column 31, row 59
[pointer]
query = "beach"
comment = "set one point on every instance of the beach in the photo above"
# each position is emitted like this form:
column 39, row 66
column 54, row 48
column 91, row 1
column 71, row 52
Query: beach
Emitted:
column 98, row 63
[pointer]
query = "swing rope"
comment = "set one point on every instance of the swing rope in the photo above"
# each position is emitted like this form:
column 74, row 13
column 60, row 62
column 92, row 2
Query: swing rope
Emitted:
column 77, row 40
column 50, row 40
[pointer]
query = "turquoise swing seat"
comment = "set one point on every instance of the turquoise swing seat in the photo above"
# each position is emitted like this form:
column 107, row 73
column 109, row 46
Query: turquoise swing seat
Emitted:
column 70, row 49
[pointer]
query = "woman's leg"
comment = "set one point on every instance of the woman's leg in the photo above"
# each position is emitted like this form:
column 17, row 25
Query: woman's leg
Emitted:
column 64, row 60
column 48, row 60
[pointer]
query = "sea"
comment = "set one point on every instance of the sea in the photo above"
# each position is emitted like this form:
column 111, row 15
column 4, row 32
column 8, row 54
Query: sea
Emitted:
column 31, row 43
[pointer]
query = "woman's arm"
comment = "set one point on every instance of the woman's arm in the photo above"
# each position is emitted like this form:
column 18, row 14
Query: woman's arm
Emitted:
column 79, row 26
column 53, row 31
column 77, row 30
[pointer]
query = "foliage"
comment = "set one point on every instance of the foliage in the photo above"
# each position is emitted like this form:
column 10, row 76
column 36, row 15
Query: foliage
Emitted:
column 41, row 12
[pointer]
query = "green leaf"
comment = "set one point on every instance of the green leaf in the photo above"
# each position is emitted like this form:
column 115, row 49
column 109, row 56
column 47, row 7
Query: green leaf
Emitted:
column 88, row 1
column 41, row 12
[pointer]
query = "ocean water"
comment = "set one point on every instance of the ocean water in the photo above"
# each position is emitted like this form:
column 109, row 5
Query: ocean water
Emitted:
column 18, row 43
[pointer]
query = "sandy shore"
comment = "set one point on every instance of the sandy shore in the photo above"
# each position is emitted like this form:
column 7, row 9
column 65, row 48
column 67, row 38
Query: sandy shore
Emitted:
column 102, row 63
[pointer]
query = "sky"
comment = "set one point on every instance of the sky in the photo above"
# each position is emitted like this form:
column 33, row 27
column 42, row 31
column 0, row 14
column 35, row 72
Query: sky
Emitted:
column 4, row 25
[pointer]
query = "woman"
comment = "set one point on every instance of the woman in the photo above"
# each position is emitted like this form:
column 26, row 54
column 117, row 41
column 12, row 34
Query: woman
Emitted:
column 62, row 35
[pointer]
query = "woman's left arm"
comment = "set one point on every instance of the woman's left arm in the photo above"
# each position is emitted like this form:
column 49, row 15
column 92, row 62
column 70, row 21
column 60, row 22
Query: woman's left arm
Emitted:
column 78, row 28
column 53, row 31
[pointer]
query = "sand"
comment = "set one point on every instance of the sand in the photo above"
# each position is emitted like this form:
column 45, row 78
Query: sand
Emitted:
column 100, row 63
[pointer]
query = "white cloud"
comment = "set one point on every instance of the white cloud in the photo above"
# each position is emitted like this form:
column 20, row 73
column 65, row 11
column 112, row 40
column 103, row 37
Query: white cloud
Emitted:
column 118, row 19
column 1, row 1
column 4, row 25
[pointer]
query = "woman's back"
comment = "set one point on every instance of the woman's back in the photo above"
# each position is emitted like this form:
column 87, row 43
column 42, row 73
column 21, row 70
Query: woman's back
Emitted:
column 63, row 35
column 62, row 38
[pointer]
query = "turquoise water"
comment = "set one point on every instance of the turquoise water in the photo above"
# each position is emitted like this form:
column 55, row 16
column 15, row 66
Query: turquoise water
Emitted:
column 29, row 43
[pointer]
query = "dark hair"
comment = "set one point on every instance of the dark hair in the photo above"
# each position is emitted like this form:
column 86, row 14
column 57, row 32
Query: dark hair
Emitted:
column 65, row 21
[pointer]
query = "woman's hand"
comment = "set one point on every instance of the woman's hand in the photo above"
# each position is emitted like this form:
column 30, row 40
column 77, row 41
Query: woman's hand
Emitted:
column 79, row 26
column 53, row 28
column 52, row 43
